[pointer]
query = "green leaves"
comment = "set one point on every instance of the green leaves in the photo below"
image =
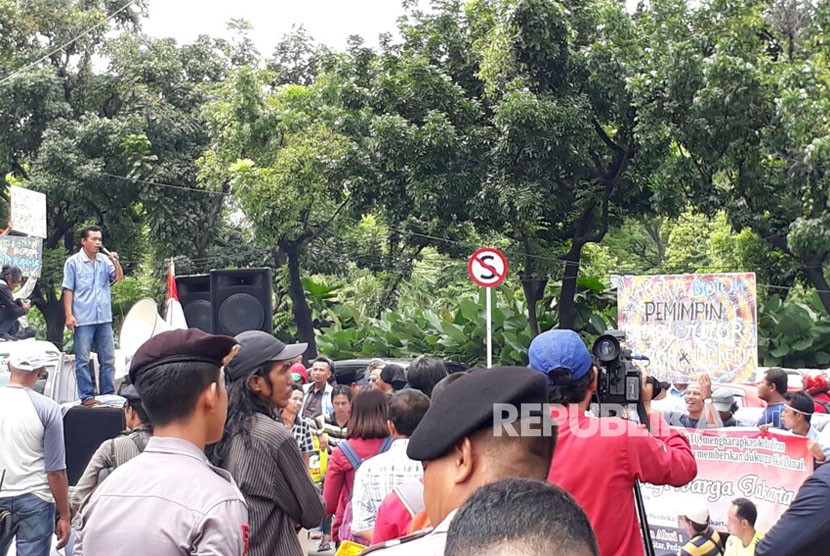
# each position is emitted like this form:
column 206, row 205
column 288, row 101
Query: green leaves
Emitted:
column 793, row 334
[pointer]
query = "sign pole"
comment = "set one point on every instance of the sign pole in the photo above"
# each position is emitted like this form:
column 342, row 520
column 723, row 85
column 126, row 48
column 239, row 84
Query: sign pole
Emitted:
column 488, row 268
column 489, row 317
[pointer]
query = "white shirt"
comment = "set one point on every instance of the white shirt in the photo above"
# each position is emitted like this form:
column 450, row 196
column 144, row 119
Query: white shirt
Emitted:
column 377, row 478
column 822, row 438
column 31, row 442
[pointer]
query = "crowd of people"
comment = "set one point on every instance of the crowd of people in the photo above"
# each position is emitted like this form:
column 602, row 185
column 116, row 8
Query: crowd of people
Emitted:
column 217, row 458
column 232, row 446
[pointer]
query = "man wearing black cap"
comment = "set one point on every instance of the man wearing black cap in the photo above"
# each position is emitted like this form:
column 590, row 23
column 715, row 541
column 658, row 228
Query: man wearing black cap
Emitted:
column 260, row 452
column 170, row 500
column 464, row 446
column 599, row 460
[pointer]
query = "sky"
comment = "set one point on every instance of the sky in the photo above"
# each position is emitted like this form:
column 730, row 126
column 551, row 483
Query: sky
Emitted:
column 328, row 21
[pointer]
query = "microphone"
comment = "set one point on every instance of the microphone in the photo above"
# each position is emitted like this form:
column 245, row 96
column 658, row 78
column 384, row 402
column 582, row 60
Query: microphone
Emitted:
column 106, row 252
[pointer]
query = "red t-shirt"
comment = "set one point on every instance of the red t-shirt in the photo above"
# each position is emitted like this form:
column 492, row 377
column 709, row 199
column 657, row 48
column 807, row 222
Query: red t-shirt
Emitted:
column 599, row 472
column 392, row 520
column 820, row 397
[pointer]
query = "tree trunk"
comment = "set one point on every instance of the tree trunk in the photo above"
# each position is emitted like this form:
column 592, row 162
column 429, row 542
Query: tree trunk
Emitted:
column 302, row 312
column 567, row 303
column 53, row 314
column 816, row 275
column 534, row 288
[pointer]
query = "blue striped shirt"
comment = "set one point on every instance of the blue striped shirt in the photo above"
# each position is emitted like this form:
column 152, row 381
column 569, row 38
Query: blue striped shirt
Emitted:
column 89, row 281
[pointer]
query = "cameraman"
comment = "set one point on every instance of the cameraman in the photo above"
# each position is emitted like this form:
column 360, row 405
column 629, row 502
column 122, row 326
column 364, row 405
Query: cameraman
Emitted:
column 598, row 460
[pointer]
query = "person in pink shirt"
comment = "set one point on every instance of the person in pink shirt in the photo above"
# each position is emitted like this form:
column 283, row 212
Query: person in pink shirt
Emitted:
column 397, row 510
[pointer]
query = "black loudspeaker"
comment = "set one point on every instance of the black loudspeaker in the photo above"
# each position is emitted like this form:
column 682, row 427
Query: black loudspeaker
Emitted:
column 194, row 295
column 84, row 429
column 241, row 300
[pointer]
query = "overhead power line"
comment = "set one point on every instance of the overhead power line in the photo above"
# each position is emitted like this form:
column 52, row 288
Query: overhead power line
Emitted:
column 68, row 43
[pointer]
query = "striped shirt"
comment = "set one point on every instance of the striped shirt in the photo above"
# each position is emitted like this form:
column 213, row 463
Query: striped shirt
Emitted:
column 270, row 472
column 707, row 543
column 327, row 424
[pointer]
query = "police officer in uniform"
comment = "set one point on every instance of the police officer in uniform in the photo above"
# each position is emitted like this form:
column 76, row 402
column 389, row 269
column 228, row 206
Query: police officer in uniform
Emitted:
column 479, row 447
column 169, row 500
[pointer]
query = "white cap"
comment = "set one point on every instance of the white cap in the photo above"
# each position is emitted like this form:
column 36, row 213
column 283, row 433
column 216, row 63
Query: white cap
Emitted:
column 27, row 360
column 697, row 510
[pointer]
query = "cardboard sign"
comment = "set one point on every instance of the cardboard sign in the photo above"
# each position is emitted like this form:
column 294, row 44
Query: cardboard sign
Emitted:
column 25, row 252
column 28, row 211
column 692, row 323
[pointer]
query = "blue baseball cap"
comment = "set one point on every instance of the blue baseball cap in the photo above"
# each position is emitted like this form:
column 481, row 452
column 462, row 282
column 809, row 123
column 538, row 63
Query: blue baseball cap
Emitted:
column 559, row 349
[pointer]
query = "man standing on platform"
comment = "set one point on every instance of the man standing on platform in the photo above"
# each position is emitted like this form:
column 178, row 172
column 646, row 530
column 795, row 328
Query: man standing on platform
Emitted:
column 87, row 276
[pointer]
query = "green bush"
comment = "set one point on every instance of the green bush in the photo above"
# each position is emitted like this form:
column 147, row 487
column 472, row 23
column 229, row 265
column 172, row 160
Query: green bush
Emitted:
column 455, row 329
column 793, row 334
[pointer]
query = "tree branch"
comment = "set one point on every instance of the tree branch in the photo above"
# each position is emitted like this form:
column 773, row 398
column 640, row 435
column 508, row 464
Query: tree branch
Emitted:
column 325, row 226
column 605, row 138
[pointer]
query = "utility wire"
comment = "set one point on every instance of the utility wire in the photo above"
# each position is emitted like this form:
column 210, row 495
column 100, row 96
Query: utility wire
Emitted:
column 164, row 185
column 69, row 43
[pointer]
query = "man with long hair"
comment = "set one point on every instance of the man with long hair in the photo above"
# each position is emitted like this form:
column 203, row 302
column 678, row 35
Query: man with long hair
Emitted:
column 260, row 452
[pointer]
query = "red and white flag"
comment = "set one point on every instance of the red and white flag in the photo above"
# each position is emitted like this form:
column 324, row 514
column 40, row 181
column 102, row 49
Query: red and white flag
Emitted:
column 174, row 315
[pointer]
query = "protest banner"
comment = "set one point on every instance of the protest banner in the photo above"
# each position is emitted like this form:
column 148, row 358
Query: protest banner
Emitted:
column 28, row 211
column 767, row 468
column 691, row 323
column 25, row 252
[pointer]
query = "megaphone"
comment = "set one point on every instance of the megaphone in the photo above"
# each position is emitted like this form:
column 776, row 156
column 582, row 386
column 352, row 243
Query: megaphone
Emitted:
column 141, row 323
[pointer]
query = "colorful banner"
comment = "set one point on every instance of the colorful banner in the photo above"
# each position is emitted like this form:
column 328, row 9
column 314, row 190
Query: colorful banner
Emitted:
column 767, row 468
column 25, row 252
column 691, row 323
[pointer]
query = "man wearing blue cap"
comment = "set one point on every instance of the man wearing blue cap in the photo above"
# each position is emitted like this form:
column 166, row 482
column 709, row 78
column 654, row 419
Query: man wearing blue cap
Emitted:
column 598, row 460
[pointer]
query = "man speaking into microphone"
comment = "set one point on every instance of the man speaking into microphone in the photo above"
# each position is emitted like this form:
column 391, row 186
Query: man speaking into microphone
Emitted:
column 87, row 302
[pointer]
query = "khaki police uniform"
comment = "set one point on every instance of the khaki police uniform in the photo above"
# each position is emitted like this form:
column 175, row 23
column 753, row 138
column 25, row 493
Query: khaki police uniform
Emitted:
column 416, row 544
column 167, row 501
column 468, row 403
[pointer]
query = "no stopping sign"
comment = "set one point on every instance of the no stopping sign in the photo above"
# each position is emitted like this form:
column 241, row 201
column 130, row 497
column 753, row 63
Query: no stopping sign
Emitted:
column 487, row 267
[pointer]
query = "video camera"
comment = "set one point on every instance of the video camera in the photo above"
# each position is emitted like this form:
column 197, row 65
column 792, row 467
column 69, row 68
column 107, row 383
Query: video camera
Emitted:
column 619, row 380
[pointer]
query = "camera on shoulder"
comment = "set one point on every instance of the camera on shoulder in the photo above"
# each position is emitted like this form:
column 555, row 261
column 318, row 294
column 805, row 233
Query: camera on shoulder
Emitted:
column 619, row 380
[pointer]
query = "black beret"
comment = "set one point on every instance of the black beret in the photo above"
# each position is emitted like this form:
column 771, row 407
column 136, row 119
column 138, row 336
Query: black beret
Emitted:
column 466, row 406
column 173, row 346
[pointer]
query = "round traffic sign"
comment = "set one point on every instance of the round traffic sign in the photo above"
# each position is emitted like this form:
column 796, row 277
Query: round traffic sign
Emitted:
column 487, row 267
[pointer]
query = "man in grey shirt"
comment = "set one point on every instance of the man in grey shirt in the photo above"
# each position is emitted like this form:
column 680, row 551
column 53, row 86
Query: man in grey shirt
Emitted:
column 261, row 453
column 169, row 500
column 32, row 460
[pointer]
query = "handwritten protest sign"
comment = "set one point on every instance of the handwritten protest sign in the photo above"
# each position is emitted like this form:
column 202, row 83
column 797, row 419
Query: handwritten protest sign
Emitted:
column 766, row 468
column 692, row 323
column 28, row 211
column 25, row 252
